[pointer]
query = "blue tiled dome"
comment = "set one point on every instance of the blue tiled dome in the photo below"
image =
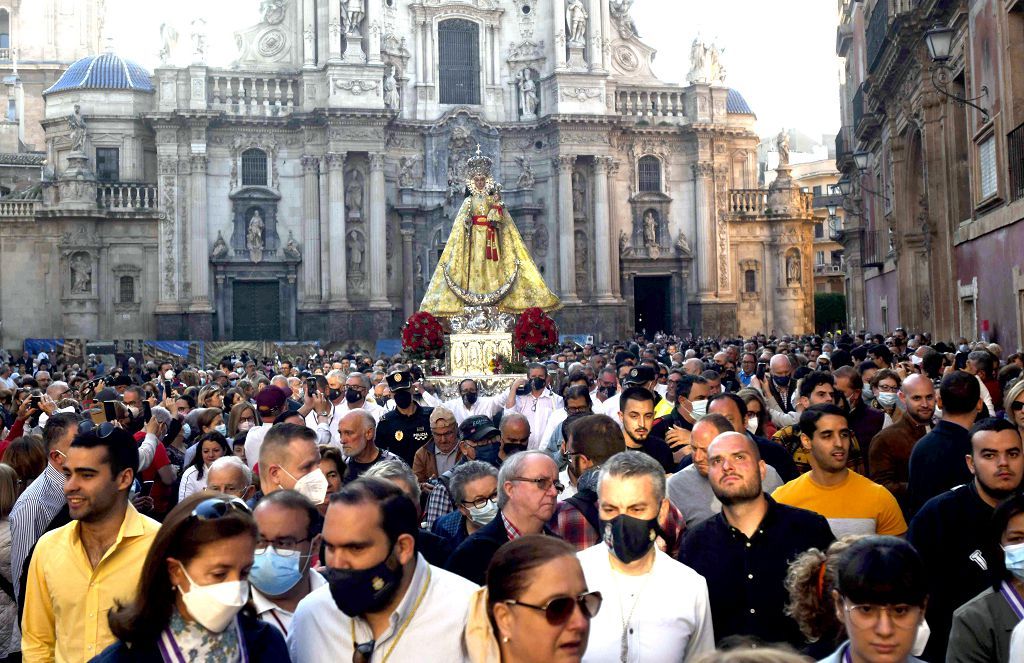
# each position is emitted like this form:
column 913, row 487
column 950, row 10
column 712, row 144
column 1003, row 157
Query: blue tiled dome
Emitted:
column 103, row 72
column 735, row 104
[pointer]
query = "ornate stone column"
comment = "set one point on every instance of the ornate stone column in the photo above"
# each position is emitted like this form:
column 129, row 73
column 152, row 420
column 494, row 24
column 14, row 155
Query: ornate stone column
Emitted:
column 373, row 31
column 310, row 232
column 324, row 254
column 309, row 33
column 560, row 34
column 336, row 215
column 705, row 240
column 334, row 32
column 378, row 227
column 566, row 234
column 602, row 232
column 200, row 239
column 408, row 274
column 594, row 38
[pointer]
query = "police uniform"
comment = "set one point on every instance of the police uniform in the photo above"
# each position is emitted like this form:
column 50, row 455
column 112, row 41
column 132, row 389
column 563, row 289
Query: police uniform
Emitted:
column 401, row 434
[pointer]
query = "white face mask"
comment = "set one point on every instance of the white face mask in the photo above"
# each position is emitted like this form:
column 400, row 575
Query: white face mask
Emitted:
column 484, row 515
column 752, row 425
column 244, row 426
column 214, row 606
column 921, row 640
column 699, row 409
column 313, row 486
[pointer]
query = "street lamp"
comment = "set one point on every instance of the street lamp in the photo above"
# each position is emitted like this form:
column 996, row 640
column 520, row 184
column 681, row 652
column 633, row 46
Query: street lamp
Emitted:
column 939, row 41
column 860, row 159
column 844, row 185
column 835, row 228
column 832, row 209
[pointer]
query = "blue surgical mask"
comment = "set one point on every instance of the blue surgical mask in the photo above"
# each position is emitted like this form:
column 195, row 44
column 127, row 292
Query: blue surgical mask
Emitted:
column 222, row 429
column 886, row 399
column 781, row 380
column 1014, row 559
column 273, row 573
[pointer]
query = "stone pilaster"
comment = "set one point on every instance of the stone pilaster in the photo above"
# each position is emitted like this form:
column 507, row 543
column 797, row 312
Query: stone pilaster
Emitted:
column 310, row 295
column 199, row 249
column 374, row 27
column 408, row 276
column 334, row 32
column 309, row 33
column 602, row 231
column 566, row 235
column 594, row 38
column 324, row 255
column 336, row 214
column 560, row 34
column 705, row 240
column 378, row 228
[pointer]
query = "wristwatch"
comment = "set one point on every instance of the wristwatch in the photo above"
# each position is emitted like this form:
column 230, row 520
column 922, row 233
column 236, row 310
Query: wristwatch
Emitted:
column 324, row 414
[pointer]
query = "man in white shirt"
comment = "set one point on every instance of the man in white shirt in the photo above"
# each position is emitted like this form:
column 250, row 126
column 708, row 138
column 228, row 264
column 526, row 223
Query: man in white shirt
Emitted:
column 344, row 394
column 281, row 574
column 656, row 609
column 270, row 402
column 469, row 402
column 537, row 404
column 381, row 595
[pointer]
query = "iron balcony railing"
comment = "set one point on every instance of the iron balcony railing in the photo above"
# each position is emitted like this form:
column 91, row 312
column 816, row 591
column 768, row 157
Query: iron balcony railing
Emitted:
column 876, row 246
column 1015, row 156
column 877, row 33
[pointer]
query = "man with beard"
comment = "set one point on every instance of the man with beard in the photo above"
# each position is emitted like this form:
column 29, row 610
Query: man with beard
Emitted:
column 636, row 414
column 690, row 398
column 951, row 531
column 374, row 576
column 889, row 452
column 853, row 504
column 469, row 402
column 744, row 552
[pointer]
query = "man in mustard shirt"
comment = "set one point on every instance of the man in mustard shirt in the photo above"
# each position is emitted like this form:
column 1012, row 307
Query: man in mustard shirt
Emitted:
column 80, row 570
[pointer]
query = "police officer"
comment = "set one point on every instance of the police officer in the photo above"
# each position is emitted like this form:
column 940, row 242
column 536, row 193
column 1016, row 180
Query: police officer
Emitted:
column 406, row 428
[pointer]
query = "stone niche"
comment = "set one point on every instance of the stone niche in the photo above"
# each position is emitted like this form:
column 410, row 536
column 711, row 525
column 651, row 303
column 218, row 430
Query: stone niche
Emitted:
column 245, row 202
column 655, row 206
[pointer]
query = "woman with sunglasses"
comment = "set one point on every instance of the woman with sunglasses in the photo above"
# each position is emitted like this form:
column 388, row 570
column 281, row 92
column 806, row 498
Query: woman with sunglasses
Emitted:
column 243, row 417
column 1013, row 404
column 193, row 600
column 880, row 592
column 535, row 607
column 982, row 626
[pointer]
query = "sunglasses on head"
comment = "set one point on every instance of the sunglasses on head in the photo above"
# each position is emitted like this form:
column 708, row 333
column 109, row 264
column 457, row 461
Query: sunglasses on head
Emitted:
column 1017, row 406
column 218, row 507
column 559, row 610
column 102, row 431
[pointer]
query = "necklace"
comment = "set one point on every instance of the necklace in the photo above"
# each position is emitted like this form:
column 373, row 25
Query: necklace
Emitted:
column 624, row 643
column 401, row 629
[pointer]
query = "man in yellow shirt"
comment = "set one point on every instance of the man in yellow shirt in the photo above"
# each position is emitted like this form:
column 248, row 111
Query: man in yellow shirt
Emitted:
column 852, row 503
column 80, row 570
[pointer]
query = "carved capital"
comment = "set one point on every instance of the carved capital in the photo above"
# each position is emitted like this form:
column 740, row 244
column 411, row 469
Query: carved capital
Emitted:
column 310, row 163
column 703, row 169
column 199, row 163
column 335, row 160
column 564, row 162
column 603, row 163
column 376, row 161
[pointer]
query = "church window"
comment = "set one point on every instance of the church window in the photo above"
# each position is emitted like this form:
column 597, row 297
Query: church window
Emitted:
column 254, row 167
column 750, row 281
column 459, row 59
column 987, row 166
column 649, row 170
column 5, row 33
column 107, row 165
column 126, row 290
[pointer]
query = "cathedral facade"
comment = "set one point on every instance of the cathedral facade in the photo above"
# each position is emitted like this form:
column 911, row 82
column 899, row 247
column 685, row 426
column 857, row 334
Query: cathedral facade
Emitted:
column 306, row 190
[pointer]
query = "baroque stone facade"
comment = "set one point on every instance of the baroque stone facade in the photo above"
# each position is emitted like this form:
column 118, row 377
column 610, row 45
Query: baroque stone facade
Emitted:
column 307, row 190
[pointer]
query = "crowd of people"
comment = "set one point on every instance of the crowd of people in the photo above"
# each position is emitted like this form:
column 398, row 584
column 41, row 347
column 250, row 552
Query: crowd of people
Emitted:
column 848, row 498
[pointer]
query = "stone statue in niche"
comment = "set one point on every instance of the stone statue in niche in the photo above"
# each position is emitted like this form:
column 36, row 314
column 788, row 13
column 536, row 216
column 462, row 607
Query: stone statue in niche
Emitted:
column 407, row 175
column 529, row 101
column 355, row 253
column 220, row 247
column 650, row 229
column 540, row 240
column 682, row 245
column 793, row 269
column 352, row 12
column 291, row 249
column 254, row 237
column 623, row 243
column 81, row 274
column 76, row 123
column 526, row 177
column 579, row 195
column 273, row 11
column 576, row 22
column 354, row 194
column 391, row 97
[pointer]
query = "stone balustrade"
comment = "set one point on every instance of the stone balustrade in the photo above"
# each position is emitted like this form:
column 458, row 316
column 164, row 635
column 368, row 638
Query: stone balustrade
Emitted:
column 5, row 54
column 260, row 95
column 748, row 201
column 119, row 196
column 655, row 103
column 17, row 208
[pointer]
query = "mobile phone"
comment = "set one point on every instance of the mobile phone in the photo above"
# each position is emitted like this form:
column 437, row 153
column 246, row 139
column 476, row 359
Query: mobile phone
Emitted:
column 525, row 389
column 109, row 410
column 147, row 411
column 310, row 386
column 34, row 400
column 761, row 366
column 168, row 389
column 147, row 488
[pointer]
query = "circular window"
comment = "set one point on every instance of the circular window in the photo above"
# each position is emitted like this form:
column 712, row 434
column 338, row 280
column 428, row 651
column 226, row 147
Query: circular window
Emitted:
column 527, row 9
column 539, row 145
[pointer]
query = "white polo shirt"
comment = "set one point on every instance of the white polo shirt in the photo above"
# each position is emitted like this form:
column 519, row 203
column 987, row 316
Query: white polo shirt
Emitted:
column 278, row 617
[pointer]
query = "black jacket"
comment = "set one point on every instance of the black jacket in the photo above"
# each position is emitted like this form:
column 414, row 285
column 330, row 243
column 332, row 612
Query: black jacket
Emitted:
column 471, row 559
column 937, row 464
column 263, row 643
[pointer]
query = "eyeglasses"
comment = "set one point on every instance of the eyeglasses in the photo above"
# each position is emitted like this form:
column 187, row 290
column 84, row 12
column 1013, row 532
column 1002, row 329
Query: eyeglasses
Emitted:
column 1017, row 406
column 285, row 547
column 577, row 410
column 543, row 483
column 888, row 388
column 363, row 652
column 559, row 610
column 218, row 507
column 102, row 431
column 902, row 616
column 482, row 502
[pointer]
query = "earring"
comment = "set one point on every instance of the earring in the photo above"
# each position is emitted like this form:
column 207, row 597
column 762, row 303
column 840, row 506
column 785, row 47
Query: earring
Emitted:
column 505, row 638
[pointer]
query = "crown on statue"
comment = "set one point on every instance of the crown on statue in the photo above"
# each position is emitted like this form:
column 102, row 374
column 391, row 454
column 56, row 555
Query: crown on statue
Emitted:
column 478, row 164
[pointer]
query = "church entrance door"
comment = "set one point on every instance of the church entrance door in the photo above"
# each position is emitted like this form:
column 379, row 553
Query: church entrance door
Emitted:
column 652, row 304
column 256, row 311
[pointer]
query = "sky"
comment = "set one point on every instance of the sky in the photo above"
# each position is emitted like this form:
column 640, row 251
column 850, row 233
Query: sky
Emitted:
column 780, row 54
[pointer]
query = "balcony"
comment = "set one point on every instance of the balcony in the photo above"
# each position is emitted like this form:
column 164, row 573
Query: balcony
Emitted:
column 828, row 270
column 17, row 209
column 877, row 33
column 748, row 202
column 823, row 201
column 253, row 95
column 652, row 104
column 844, row 37
column 876, row 248
column 5, row 53
column 844, row 151
column 1015, row 157
column 864, row 121
column 118, row 196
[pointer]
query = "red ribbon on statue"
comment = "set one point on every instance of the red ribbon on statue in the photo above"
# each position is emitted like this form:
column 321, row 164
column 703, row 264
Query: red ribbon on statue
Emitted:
column 491, row 249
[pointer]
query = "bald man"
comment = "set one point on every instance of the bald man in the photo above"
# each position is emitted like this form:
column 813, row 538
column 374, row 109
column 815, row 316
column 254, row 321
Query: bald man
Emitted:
column 892, row 446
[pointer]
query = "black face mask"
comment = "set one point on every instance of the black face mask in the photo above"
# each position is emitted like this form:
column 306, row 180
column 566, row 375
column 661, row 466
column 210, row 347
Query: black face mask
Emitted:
column 333, row 394
column 352, row 396
column 358, row 592
column 470, row 397
column 538, row 383
column 629, row 538
column 403, row 398
column 488, row 453
column 781, row 380
column 514, row 448
column 609, row 391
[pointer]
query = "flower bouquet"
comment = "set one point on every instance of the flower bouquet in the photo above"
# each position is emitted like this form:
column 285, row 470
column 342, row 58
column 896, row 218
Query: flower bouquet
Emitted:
column 535, row 334
column 423, row 337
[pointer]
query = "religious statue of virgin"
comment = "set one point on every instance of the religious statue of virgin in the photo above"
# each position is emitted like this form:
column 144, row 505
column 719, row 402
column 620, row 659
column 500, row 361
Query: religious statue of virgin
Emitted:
column 485, row 262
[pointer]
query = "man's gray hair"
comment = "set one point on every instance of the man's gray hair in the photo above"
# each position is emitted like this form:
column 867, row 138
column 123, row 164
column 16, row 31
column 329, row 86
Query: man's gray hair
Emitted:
column 395, row 468
column 512, row 468
column 628, row 464
column 465, row 474
column 162, row 415
column 280, row 381
column 362, row 377
column 228, row 463
column 337, row 374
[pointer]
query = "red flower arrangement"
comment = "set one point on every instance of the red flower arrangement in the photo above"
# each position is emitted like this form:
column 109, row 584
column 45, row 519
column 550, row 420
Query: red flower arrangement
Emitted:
column 423, row 336
column 535, row 333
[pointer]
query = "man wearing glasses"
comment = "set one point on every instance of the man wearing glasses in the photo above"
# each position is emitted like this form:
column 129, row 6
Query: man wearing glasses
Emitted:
column 528, row 489
column 282, row 574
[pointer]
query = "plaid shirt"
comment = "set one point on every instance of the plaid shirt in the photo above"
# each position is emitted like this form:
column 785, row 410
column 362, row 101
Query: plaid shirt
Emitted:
column 451, row 526
column 510, row 529
column 439, row 503
column 570, row 524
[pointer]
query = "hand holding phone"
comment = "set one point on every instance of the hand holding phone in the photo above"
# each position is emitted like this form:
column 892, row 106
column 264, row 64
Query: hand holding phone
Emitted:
column 109, row 411
column 147, row 488
column 761, row 367
column 147, row 411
